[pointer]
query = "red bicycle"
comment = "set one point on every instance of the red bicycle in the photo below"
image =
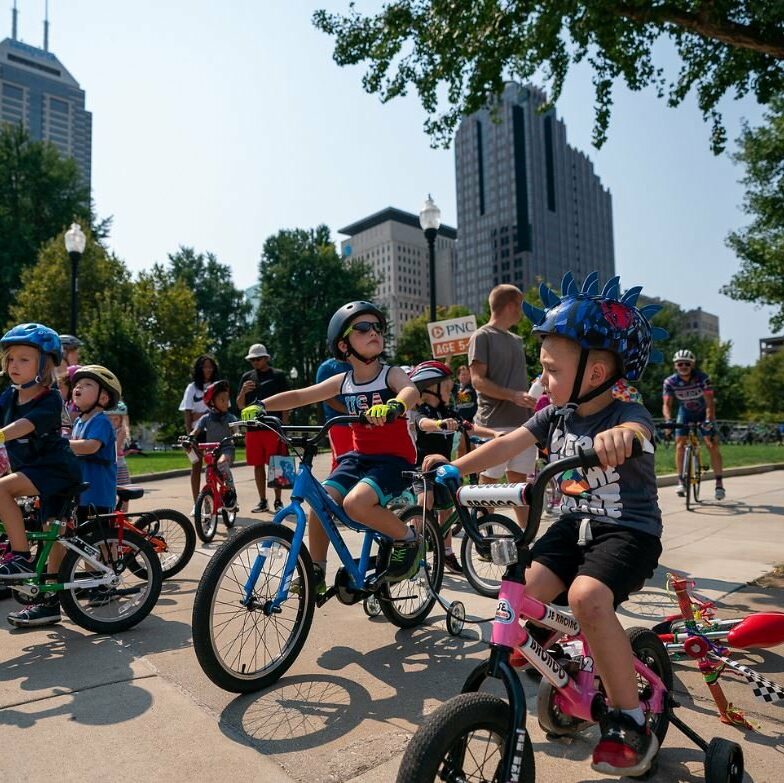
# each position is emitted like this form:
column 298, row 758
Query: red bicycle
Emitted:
column 216, row 498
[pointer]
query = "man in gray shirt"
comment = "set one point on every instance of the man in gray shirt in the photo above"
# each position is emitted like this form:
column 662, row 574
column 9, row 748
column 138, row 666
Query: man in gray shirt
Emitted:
column 499, row 375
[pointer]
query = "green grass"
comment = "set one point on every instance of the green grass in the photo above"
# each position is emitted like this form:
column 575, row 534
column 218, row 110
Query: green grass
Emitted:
column 159, row 461
column 734, row 455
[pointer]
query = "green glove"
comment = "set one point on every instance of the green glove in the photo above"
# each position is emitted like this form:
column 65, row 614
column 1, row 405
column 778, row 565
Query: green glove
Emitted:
column 253, row 412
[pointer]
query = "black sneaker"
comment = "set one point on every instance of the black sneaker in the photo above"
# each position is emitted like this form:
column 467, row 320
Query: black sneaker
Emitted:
column 16, row 567
column 277, row 505
column 625, row 748
column 452, row 564
column 404, row 559
column 47, row 613
column 262, row 508
column 230, row 500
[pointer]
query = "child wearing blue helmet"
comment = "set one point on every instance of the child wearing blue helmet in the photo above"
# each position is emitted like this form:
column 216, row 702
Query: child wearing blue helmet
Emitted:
column 30, row 421
column 607, row 541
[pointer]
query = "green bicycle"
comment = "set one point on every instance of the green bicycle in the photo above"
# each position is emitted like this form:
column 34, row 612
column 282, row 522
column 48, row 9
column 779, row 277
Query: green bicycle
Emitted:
column 109, row 579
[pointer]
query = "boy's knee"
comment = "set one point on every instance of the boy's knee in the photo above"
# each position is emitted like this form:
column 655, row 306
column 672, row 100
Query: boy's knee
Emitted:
column 592, row 603
column 354, row 506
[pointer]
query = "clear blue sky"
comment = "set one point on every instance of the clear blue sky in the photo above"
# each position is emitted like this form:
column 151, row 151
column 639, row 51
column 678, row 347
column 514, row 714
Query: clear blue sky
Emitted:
column 215, row 124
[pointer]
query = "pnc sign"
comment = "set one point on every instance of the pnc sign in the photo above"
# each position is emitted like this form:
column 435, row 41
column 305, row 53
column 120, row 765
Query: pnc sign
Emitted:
column 450, row 338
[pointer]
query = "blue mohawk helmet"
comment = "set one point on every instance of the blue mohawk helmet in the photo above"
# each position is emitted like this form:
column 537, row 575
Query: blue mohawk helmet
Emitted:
column 600, row 321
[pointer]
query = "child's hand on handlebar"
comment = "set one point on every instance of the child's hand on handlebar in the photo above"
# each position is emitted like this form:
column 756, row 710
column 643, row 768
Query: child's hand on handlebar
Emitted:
column 432, row 461
column 447, row 425
column 614, row 446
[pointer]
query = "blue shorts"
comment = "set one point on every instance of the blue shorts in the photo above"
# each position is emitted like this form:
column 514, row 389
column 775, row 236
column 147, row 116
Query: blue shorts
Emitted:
column 686, row 417
column 382, row 473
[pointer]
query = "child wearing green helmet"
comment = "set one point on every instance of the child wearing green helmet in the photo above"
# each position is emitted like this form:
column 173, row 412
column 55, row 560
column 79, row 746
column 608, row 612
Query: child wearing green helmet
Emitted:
column 607, row 541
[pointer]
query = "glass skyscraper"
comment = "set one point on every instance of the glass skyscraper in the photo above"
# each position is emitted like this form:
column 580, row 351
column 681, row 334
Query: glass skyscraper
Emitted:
column 37, row 92
column 529, row 206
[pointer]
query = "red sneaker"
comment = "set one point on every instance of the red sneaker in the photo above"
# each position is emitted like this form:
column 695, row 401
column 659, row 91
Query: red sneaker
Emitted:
column 625, row 747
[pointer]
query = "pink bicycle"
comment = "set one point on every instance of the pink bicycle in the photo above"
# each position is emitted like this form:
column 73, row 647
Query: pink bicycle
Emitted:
column 481, row 738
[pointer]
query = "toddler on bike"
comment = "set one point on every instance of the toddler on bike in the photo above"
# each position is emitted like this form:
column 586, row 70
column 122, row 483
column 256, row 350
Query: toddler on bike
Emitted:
column 607, row 543
column 369, row 475
column 30, row 419
column 213, row 427
column 434, row 423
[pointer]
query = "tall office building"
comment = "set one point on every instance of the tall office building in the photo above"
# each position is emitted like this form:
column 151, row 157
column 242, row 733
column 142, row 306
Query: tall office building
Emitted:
column 529, row 206
column 38, row 92
column 393, row 244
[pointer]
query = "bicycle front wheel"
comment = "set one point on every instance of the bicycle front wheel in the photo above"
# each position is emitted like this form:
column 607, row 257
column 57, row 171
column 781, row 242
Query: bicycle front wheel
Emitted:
column 696, row 474
column 463, row 740
column 483, row 575
column 243, row 643
column 172, row 536
column 407, row 603
column 687, row 468
column 112, row 608
column 205, row 516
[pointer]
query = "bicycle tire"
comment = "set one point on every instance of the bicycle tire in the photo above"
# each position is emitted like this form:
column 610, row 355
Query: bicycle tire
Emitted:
column 205, row 517
column 687, row 475
column 482, row 574
column 236, row 668
column 229, row 518
column 647, row 646
column 406, row 604
column 469, row 729
column 112, row 609
column 177, row 533
column 696, row 475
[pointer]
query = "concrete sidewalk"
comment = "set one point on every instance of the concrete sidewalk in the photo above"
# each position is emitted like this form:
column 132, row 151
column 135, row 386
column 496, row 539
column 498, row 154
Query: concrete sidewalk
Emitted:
column 73, row 703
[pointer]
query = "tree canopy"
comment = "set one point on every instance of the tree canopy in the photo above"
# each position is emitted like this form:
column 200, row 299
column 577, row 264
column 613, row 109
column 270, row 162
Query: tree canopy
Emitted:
column 760, row 245
column 303, row 282
column 457, row 54
column 41, row 193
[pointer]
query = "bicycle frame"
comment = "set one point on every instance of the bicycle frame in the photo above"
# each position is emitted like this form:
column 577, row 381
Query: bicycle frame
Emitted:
column 307, row 489
column 213, row 481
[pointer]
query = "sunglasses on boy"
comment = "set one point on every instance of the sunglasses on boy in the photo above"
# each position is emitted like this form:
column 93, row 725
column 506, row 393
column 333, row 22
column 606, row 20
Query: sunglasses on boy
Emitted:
column 363, row 327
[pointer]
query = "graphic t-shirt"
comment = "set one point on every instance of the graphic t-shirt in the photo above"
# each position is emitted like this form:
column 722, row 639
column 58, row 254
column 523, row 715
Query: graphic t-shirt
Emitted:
column 99, row 468
column 432, row 442
column 392, row 439
column 624, row 495
column 466, row 401
column 193, row 400
column 690, row 393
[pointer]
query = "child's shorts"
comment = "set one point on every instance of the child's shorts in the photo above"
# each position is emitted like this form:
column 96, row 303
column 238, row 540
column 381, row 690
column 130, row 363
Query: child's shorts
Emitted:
column 382, row 473
column 617, row 556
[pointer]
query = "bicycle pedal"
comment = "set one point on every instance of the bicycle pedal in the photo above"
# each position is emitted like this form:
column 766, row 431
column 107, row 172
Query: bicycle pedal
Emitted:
column 322, row 598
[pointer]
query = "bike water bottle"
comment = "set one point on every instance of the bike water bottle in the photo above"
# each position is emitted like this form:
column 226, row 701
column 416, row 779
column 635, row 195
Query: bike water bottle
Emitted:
column 5, row 462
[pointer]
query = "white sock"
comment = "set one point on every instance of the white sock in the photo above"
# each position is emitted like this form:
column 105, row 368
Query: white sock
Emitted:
column 637, row 714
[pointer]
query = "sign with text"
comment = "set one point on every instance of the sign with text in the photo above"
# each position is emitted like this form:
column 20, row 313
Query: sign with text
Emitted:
column 450, row 338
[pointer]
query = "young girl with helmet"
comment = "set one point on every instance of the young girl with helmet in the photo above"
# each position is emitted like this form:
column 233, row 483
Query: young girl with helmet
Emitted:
column 30, row 418
column 607, row 542
column 434, row 423
column 369, row 475
column 213, row 427
column 118, row 416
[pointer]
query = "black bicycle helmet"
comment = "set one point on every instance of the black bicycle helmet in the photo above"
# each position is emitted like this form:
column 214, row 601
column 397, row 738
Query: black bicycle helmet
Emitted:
column 341, row 320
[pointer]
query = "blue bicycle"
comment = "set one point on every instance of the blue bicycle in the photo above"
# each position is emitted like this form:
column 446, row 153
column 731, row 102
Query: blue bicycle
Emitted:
column 249, row 621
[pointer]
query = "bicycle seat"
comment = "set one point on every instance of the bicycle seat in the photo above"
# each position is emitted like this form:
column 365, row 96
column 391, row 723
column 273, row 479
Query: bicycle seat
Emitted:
column 129, row 492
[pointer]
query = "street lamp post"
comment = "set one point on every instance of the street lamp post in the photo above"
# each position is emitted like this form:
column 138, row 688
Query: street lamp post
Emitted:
column 430, row 220
column 74, row 243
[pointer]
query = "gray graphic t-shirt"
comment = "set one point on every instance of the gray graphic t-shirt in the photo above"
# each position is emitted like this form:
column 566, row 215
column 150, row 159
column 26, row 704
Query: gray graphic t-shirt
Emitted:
column 624, row 495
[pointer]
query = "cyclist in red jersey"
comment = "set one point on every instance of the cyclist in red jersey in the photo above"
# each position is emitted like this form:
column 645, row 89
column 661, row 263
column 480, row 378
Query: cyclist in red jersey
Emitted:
column 370, row 474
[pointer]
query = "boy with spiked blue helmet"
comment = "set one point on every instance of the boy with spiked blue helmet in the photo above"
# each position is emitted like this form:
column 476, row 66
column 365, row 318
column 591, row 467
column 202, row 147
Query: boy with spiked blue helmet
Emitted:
column 607, row 541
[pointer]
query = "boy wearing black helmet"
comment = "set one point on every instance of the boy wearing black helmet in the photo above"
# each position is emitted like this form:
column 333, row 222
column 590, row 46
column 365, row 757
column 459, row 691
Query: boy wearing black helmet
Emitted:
column 369, row 475
column 607, row 541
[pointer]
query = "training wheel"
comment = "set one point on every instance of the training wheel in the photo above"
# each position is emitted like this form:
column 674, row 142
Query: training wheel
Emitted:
column 372, row 606
column 455, row 618
column 723, row 762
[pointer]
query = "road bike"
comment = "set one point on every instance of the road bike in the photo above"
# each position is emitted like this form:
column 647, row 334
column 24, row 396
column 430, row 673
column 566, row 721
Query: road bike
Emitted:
column 255, row 602
column 211, row 500
column 109, row 579
column 693, row 467
column 480, row 737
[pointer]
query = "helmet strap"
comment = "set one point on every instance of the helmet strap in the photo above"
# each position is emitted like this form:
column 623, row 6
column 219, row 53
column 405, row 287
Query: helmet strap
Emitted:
column 575, row 398
column 441, row 400
column 352, row 352
column 27, row 385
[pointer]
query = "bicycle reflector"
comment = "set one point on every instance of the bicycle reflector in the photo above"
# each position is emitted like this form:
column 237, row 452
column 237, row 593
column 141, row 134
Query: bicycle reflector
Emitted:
column 503, row 552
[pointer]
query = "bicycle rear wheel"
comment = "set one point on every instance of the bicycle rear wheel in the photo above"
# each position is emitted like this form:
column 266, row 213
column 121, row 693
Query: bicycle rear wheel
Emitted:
column 171, row 535
column 407, row 603
column 112, row 608
column 483, row 575
column 463, row 740
column 241, row 645
column 205, row 516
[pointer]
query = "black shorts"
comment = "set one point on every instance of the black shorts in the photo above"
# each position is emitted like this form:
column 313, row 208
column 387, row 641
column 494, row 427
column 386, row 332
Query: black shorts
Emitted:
column 619, row 557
